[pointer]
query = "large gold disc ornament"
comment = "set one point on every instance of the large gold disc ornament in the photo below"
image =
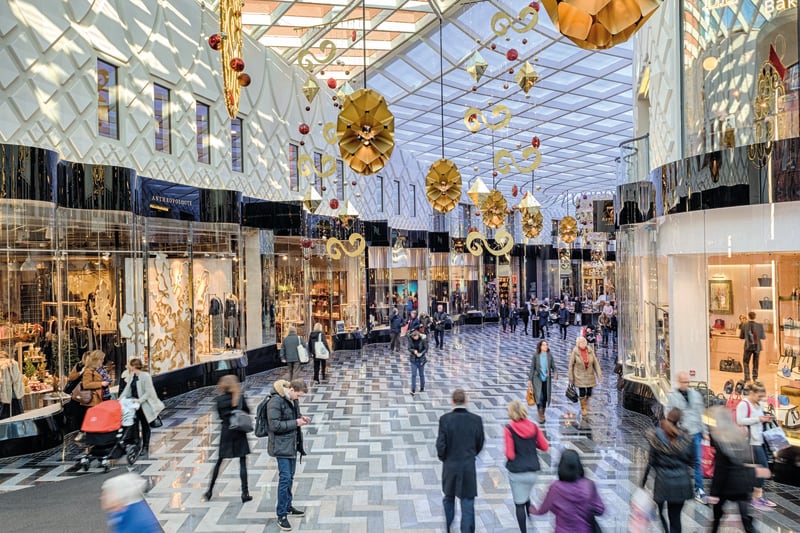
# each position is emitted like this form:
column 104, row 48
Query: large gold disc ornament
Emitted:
column 478, row 192
column 493, row 209
column 365, row 129
column 599, row 24
column 230, row 28
column 532, row 223
column 443, row 185
column 568, row 229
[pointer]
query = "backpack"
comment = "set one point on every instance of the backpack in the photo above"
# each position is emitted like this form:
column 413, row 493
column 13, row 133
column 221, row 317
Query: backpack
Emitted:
column 262, row 423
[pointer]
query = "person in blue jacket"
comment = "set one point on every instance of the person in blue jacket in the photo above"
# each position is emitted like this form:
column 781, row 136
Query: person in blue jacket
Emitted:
column 126, row 510
column 395, row 328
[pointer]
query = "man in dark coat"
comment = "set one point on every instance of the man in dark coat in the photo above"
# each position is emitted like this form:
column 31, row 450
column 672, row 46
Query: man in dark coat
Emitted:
column 286, row 441
column 439, row 320
column 753, row 333
column 563, row 321
column 459, row 442
column 395, row 328
column 525, row 314
column 504, row 314
column 544, row 316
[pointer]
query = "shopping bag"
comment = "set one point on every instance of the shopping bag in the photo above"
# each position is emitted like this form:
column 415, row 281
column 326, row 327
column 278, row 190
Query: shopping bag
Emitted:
column 776, row 439
column 707, row 454
column 404, row 330
column 302, row 353
column 320, row 351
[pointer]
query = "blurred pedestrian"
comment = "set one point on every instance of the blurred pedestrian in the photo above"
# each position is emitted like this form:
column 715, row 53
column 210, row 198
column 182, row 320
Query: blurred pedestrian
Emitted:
column 139, row 385
column 122, row 498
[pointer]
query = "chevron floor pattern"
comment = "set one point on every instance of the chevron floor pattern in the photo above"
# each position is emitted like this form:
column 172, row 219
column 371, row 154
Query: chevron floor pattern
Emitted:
column 371, row 463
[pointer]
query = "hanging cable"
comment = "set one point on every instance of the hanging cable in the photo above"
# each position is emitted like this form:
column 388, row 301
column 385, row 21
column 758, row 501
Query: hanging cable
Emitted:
column 441, row 82
column 364, row 37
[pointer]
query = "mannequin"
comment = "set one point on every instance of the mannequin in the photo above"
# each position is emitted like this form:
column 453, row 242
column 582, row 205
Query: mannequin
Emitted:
column 231, row 320
column 11, row 387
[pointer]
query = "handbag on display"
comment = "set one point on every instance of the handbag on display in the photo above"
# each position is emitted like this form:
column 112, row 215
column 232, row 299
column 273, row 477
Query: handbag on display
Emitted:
column 730, row 365
column 529, row 397
column 765, row 303
column 571, row 393
column 791, row 420
column 302, row 353
column 83, row 397
column 320, row 351
column 765, row 281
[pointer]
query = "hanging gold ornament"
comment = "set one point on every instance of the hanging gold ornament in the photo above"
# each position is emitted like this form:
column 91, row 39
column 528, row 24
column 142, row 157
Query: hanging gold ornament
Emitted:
column 493, row 209
column 526, row 77
column 230, row 28
column 478, row 192
column 532, row 223
column 568, row 229
column 336, row 247
column 345, row 90
column 443, row 185
column 310, row 89
column 477, row 243
column 365, row 129
column 348, row 214
column 311, row 199
column 599, row 24
column 476, row 66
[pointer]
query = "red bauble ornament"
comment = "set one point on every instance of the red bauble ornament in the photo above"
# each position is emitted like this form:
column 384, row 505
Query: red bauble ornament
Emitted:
column 472, row 229
column 307, row 243
column 308, row 108
column 331, row 83
column 237, row 64
column 334, row 203
column 512, row 54
column 354, row 35
column 302, row 143
column 474, row 88
column 534, row 5
column 473, row 117
column 505, row 86
column 511, row 71
column 524, row 41
column 324, row 188
column 494, row 174
column 303, row 129
column 244, row 79
column 494, row 46
column 215, row 41
column 514, row 191
column 353, row 183
column 535, row 142
column 477, row 213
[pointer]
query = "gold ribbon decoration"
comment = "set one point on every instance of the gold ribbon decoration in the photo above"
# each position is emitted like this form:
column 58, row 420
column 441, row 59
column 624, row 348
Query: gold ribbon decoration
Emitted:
column 568, row 229
column 329, row 133
column 504, row 168
column 366, row 131
column 443, row 185
column 493, row 209
column 477, row 243
column 502, row 22
column 474, row 116
column 306, row 166
column 335, row 247
column 308, row 61
column 230, row 27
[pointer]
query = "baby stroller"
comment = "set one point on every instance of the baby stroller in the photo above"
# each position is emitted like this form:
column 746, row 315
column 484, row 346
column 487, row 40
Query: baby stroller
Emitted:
column 110, row 433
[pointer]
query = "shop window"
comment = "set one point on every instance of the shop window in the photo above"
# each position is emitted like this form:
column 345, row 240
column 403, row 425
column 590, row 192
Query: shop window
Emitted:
column 203, row 134
column 107, row 117
column 162, row 119
column 340, row 178
column 396, row 197
column 294, row 180
column 237, row 157
column 413, row 200
column 318, row 166
column 380, row 194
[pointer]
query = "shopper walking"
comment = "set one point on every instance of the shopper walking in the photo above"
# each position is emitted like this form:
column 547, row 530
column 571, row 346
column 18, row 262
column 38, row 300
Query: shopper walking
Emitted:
column 541, row 376
column 753, row 333
column 458, row 443
column 285, row 441
column 418, row 351
column 573, row 499
column 578, row 309
column 751, row 416
column 96, row 378
column 139, row 385
column 396, row 322
column 563, row 321
column 289, row 354
column 671, row 457
column 525, row 315
column 733, row 473
column 584, row 371
column 522, row 439
column 504, row 313
column 320, row 356
column 232, row 443
column 439, row 322
column 691, row 405
column 413, row 322
column 74, row 412
column 544, row 317
column 513, row 317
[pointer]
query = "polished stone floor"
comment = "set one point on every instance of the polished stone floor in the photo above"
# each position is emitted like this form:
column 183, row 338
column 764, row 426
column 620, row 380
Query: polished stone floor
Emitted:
column 372, row 465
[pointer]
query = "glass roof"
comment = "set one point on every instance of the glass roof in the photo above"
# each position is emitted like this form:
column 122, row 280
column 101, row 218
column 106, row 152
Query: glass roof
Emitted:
column 581, row 107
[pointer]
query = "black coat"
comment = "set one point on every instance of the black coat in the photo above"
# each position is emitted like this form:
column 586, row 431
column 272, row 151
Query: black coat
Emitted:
column 396, row 324
column 544, row 316
column 673, row 463
column 459, row 442
column 524, row 313
column 732, row 479
column 231, row 443
column 420, row 345
column 504, row 311
column 312, row 340
column 285, row 438
column 439, row 320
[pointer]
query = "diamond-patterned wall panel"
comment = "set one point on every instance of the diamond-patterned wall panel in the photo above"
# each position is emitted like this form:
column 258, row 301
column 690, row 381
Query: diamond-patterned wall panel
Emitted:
column 49, row 93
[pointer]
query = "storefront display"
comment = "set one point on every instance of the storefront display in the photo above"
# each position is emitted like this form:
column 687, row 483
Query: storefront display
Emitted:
column 465, row 278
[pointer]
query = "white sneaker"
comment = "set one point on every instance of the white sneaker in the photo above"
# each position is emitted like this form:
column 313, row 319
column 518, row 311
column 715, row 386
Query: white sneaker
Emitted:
column 700, row 496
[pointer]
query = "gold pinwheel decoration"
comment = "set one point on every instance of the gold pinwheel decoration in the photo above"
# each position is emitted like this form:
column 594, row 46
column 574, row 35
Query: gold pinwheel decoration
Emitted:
column 599, row 24
column 365, row 129
column 336, row 247
column 493, row 209
column 478, row 192
column 443, row 185
column 568, row 229
column 532, row 223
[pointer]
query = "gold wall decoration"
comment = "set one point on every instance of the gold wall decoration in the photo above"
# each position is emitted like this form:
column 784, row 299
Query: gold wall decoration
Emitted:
column 306, row 166
column 493, row 209
column 366, row 131
column 502, row 22
column 474, row 116
column 568, row 229
column 308, row 61
column 504, row 168
column 335, row 247
column 329, row 133
column 443, row 185
column 230, row 26
column 310, row 89
column 478, row 192
column 526, row 77
column 599, row 24
column 476, row 66
column 769, row 91
column 477, row 243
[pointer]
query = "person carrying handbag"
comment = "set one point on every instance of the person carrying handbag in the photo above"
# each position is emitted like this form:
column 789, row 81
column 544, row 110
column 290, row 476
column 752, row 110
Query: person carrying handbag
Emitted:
column 289, row 353
column 320, row 350
column 751, row 416
column 139, row 385
column 584, row 371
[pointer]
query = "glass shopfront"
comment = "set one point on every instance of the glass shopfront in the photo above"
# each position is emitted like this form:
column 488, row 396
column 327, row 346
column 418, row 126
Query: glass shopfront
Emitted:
column 465, row 278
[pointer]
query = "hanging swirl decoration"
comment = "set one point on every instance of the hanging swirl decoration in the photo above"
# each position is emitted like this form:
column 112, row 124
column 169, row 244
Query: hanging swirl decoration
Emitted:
column 502, row 22
column 769, row 91
column 308, row 61
column 329, row 133
column 307, row 168
column 474, row 116
column 336, row 247
column 504, row 168
column 230, row 27
column 477, row 243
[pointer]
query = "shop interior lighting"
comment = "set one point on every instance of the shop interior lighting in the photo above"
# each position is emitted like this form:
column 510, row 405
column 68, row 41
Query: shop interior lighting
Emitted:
column 710, row 63
column 28, row 265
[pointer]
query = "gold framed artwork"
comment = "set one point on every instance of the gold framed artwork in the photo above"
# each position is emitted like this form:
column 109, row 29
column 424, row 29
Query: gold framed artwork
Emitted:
column 720, row 296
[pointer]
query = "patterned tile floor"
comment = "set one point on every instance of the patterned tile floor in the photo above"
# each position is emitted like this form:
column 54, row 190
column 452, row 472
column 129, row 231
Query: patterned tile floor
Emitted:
column 372, row 465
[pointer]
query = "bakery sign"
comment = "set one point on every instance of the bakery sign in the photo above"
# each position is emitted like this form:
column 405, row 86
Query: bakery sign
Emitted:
column 767, row 7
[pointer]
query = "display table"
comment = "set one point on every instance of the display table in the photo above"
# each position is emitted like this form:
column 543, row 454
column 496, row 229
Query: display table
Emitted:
column 379, row 334
column 31, row 432
column 473, row 318
column 352, row 340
